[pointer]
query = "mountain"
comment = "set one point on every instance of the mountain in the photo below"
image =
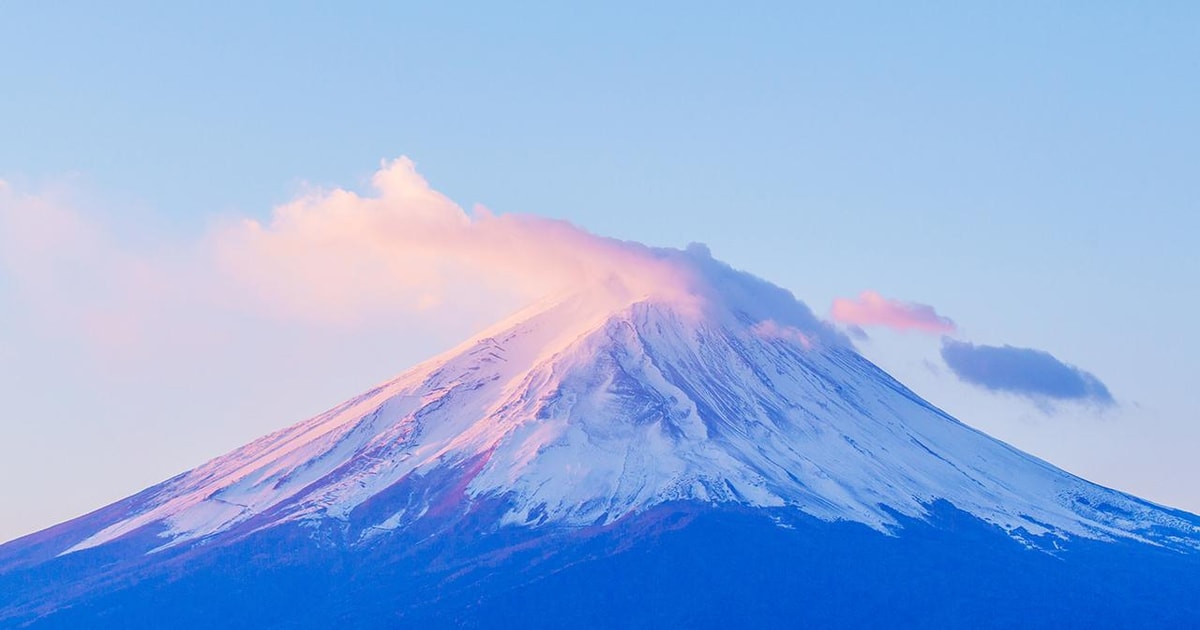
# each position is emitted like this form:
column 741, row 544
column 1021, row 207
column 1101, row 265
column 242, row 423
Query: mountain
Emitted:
column 705, row 454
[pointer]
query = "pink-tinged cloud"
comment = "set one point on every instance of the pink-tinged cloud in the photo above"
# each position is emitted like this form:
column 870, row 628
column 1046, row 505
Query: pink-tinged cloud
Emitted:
column 872, row 309
column 399, row 255
column 338, row 255
column 66, row 265
column 396, row 255
column 253, row 321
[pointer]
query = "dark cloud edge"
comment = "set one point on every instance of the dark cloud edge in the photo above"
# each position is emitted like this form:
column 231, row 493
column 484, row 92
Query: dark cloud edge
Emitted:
column 1026, row 372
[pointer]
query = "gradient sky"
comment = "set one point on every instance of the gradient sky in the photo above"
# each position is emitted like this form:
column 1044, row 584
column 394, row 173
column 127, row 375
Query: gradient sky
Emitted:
column 1026, row 175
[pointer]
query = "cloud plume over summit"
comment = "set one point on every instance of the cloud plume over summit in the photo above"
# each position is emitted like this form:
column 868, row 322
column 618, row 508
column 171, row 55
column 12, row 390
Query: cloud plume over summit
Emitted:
column 338, row 253
column 330, row 256
column 398, row 252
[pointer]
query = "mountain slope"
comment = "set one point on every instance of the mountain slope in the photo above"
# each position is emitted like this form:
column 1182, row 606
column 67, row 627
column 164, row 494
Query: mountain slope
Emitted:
column 582, row 417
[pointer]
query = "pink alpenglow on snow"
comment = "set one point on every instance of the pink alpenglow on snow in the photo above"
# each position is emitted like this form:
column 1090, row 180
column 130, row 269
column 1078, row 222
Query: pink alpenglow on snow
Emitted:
column 771, row 329
column 872, row 309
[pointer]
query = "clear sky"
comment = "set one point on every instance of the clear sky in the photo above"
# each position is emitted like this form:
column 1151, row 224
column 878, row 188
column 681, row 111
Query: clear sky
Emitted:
column 1029, row 170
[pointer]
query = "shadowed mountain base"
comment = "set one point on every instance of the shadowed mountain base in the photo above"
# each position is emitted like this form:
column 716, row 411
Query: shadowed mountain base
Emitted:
column 676, row 566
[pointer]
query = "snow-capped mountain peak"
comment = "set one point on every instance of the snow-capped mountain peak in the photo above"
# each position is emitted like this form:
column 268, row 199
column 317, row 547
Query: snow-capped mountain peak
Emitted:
column 587, row 408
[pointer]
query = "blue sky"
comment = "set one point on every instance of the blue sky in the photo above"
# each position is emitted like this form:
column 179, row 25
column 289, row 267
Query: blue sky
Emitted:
column 1028, row 170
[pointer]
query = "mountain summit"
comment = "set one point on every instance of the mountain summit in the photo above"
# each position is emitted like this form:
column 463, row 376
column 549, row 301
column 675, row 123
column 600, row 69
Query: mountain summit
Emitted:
column 612, row 434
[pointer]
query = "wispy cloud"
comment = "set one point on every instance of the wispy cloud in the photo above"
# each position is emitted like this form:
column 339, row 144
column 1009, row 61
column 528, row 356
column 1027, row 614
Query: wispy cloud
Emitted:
column 1027, row 372
column 337, row 254
column 330, row 257
column 872, row 309
column 338, row 261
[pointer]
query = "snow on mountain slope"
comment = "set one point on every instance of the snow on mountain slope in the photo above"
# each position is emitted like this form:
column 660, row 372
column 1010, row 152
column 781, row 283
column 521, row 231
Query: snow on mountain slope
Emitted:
column 594, row 406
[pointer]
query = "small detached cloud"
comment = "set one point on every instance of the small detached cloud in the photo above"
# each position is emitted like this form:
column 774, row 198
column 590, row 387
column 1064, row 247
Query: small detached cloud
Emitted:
column 1026, row 372
column 872, row 309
